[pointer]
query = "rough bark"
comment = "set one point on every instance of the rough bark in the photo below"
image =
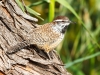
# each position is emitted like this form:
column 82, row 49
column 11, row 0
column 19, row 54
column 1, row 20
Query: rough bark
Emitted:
column 14, row 27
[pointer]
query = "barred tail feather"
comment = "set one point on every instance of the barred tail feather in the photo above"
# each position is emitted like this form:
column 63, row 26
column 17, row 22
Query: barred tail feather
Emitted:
column 18, row 47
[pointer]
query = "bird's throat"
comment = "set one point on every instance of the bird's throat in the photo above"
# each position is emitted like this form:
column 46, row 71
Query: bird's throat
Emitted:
column 64, row 29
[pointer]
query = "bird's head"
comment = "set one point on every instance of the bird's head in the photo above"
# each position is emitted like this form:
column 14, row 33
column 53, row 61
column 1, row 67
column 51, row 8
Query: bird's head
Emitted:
column 61, row 23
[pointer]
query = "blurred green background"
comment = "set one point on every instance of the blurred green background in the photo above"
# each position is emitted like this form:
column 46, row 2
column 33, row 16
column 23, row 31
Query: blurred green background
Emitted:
column 80, row 49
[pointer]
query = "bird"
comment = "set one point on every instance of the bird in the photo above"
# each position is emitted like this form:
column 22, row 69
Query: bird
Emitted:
column 46, row 37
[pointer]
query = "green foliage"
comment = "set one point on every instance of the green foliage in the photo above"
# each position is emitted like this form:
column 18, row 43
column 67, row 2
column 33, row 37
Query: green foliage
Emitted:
column 51, row 10
column 29, row 10
column 81, row 59
column 80, row 48
column 20, row 5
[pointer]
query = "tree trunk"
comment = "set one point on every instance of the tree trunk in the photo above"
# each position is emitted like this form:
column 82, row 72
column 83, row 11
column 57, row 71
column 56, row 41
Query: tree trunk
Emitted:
column 14, row 27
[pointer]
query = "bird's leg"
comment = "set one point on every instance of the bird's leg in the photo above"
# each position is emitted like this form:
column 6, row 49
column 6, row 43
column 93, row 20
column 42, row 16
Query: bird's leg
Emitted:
column 49, row 55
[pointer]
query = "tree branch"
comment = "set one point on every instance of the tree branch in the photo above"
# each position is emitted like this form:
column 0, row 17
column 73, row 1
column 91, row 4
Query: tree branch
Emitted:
column 14, row 27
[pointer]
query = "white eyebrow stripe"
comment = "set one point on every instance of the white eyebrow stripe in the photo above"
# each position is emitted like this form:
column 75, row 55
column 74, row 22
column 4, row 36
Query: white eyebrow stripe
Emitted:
column 61, row 20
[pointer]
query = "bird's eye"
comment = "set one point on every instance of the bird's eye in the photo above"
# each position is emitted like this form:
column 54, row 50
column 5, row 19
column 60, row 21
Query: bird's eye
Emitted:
column 63, row 21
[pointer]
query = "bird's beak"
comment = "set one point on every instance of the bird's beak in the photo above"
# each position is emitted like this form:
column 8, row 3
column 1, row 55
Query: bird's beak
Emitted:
column 71, row 22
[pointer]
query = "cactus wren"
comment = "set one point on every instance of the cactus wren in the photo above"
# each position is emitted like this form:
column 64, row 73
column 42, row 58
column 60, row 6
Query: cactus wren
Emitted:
column 45, row 37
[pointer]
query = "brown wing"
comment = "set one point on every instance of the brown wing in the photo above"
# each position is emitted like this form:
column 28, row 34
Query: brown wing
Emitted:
column 44, row 36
